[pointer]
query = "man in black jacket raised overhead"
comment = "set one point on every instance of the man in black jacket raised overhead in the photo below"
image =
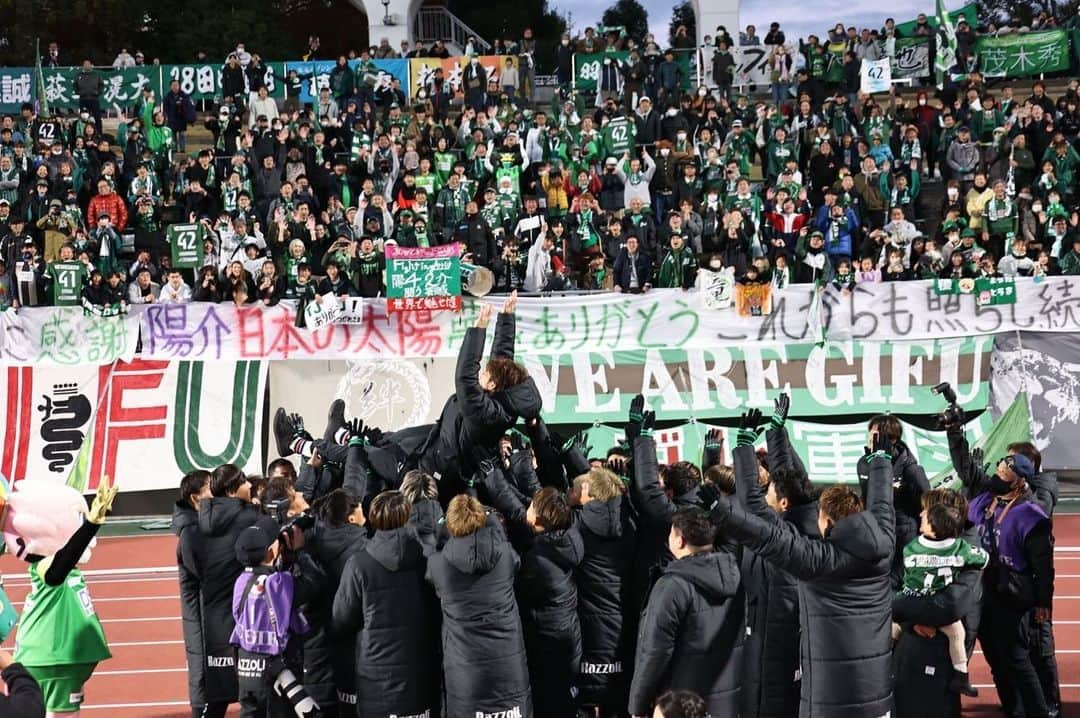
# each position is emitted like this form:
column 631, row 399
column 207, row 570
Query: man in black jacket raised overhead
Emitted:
column 692, row 630
column 222, row 517
column 486, row 402
column 194, row 487
column 845, row 600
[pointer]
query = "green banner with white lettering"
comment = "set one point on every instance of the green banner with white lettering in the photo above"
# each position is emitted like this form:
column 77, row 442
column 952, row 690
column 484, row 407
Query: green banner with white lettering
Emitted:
column 123, row 86
column 1023, row 55
column 588, row 66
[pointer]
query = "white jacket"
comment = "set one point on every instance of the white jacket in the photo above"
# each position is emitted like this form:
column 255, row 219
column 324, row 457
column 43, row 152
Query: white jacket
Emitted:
column 538, row 268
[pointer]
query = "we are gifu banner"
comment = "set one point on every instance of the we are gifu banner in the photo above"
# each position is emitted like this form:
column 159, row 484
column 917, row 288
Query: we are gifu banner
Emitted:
column 149, row 422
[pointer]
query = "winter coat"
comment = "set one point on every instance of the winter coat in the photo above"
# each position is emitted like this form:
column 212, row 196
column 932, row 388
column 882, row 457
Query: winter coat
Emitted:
column 771, row 654
column 909, row 484
column 185, row 520
column 329, row 670
column 427, row 520
column 473, row 420
column 213, row 561
column 484, row 663
column 621, row 270
column 475, row 234
column 845, row 600
column 963, row 159
column 691, row 635
column 382, row 599
column 603, row 580
column 654, row 511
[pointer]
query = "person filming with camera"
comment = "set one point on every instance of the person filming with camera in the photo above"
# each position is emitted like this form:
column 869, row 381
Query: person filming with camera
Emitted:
column 1018, row 584
column 267, row 600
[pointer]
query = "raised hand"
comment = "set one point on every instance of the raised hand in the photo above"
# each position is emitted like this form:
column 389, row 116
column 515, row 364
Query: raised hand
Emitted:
column 103, row 501
column 714, row 439
column 780, row 411
column 880, row 446
column 637, row 410
column 510, row 305
column 484, row 317
column 749, row 428
column 616, row 465
column 709, row 496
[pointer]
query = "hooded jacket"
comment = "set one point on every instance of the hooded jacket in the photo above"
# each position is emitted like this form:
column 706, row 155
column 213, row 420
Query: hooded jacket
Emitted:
column 185, row 524
column 484, row 663
column 214, row 564
column 691, row 635
column 909, row 484
column 473, row 420
column 771, row 654
column 845, row 600
column 383, row 600
column 603, row 581
column 329, row 669
column 426, row 519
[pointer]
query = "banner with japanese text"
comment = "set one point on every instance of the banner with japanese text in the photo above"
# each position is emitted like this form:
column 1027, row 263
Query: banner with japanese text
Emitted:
column 423, row 277
column 123, row 86
column 587, row 67
column 66, row 336
column 751, row 65
column 378, row 74
column 1023, row 55
column 203, row 82
column 422, row 71
column 150, row 421
column 911, row 57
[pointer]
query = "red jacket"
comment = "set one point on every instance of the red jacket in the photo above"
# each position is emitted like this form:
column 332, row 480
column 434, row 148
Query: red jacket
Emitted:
column 111, row 204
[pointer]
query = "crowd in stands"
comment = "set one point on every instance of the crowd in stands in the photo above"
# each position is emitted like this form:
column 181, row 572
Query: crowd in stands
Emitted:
column 635, row 186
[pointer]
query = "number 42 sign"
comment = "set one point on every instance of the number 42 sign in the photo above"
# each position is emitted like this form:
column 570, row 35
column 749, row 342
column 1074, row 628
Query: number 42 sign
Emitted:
column 875, row 76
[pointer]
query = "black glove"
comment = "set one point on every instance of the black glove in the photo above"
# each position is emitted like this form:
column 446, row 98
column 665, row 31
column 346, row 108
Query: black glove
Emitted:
column 780, row 411
column 648, row 422
column 977, row 457
column 881, row 447
column 749, row 428
column 709, row 496
column 714, row 439
column 616, row 466
column 637, row 411
column 298, row 427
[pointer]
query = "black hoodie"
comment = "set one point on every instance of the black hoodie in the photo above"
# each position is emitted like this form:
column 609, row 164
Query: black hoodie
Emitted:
column 427, row 520
column 213, row 555
column 484, row 664
column 603, row 580
column 473, row 420
column 185, row 524
column 384, row 602
column 691, row 636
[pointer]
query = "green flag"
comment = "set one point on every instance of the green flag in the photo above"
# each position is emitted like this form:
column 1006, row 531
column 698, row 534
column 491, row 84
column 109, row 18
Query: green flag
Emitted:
column 1014, row 425
column 1024, row 55
column 39, row 81
column 946, row 45
column 79, row 478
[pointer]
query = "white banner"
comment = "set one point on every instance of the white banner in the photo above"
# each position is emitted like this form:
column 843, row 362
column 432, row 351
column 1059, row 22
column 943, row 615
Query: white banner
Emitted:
column 875, row 76
column 659, row 319
column 149, row 423
column 320, row 312
column 66, row 336
column 751, row 65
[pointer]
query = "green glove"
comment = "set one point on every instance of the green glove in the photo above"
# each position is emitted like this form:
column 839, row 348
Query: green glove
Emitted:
column 780, row 412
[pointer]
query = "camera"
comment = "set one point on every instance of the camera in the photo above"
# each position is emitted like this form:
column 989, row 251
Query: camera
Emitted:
column 279, row 511
column 953, row 415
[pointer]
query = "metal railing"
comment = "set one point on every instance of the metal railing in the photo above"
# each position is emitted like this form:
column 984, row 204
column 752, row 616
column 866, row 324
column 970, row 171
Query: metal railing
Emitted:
column 438, row 23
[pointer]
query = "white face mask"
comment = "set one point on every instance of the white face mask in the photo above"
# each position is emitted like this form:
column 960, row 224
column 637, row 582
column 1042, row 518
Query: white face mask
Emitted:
column 565, row 42
column 702, row 93
column 672, row 112
column 681, row 137
column 665, row 152
column 954, row 193
column 922, row 100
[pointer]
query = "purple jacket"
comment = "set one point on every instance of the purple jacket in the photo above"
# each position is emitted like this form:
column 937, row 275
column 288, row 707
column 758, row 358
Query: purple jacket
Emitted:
column 1011, row 533
column 265, row 620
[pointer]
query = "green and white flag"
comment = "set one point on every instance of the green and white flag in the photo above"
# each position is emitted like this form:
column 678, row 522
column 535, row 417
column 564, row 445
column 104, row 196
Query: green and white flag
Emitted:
column 946, row 45
column 1024, row 55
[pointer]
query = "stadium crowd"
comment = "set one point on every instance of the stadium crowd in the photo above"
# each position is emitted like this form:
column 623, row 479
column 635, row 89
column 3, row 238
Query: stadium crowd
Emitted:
column 488, row 566
column 636, row 185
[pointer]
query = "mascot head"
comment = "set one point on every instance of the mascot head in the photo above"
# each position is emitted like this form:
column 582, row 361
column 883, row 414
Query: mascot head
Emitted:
column 39, row 517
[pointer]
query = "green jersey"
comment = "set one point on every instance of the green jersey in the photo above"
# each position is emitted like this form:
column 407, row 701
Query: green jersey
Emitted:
column 67, row 283
column 185, row 241
column 618, row 136
column 1000, row 216
column 59, row 626
column 930, row 566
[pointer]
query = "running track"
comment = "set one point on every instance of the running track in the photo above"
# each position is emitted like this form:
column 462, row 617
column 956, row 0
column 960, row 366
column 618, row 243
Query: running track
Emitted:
column 133, row 584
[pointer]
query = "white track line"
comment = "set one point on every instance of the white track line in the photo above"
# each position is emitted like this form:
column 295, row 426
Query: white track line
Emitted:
column 117, row 706
column 148, row 619
column 129, row 644
column 122, row 598
column 140, row 670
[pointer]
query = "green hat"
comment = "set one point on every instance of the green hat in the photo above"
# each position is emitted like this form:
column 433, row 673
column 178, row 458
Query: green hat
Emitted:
column 949, row 225
column 969, row 232
column 817, row 233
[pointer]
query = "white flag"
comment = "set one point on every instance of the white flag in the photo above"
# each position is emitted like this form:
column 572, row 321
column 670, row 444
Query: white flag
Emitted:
column 876, row 76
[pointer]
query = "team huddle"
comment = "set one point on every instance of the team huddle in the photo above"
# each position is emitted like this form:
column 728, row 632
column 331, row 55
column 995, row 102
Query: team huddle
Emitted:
column 489, row 566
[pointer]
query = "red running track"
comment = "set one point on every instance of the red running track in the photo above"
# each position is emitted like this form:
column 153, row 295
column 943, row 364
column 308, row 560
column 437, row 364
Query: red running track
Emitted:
column 133, row 583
